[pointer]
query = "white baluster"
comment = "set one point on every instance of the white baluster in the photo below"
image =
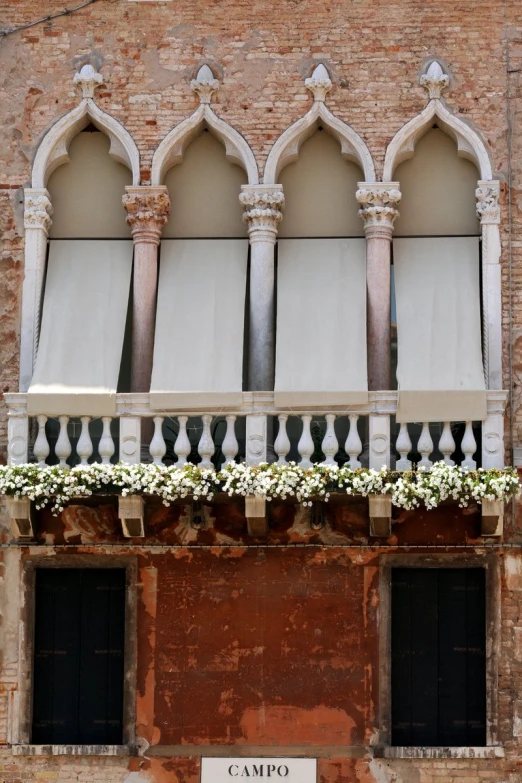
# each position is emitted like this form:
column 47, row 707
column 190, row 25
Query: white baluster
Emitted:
column 403, row 446
column 41, row 445
column 106, row 446
column 447, row 443
column 182, row 447
column 282, row 442
column 330, row 444
column 230, row 445
column 425, row 446
column 158, row 447
column 84, row 446
column 63, row 444
column 469, row 447
column 206, row 444
column 353, row 445
column 305, row 447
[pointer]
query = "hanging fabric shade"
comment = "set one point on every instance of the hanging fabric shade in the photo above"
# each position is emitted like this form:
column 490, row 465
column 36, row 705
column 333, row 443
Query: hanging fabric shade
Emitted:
column 439, row 372
column 198, row 349
column 83, row 325
column 321, row 323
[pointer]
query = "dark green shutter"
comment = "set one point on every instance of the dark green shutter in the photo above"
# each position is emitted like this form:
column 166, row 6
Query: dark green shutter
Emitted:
column 438, row 656
column 78, row 656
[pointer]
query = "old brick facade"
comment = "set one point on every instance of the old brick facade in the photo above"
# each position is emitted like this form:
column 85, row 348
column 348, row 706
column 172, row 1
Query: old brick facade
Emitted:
column 245, row 647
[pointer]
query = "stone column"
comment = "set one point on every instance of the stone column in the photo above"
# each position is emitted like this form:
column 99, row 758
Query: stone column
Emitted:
column 378, row 202
column 263, row 205
column 148, row 210
column 37, row 222
column 488, row 212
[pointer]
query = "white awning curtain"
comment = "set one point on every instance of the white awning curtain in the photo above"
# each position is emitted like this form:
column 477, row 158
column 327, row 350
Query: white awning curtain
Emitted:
column 321, row 323
column 83, row 325
column 440, row 373
column 198, row 349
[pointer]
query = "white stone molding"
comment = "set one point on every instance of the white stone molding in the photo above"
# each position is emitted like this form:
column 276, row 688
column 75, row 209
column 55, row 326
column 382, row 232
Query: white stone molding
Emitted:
column 319, row 83
column 53, row 150
column 434, row 80
column 378, row 210
column 488, row 212
column 204, row 85
column 469, row 143
column 130, row 440
column 256, row 439
column 263, row 206
column 286, row 149
column 37, row 222
column 88, row 80
column 171, row 150
column 379, row 441
column 17, row 429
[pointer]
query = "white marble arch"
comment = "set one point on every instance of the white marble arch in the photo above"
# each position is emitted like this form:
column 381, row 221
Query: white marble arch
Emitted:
column 53, row 149
column 286, row 149
column 471, row 147
column 469, row 143
column 171, row 150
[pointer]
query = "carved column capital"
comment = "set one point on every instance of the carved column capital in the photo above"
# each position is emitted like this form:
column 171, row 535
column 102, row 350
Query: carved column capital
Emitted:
column 487, row 195
column 263, row 210
column 37, row 209
column 435, row 81
column 378, row 211
column 148, row 210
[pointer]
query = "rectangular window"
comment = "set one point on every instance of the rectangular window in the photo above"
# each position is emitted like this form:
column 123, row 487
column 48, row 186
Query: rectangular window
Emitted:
column 78, row 669
column 438, row 657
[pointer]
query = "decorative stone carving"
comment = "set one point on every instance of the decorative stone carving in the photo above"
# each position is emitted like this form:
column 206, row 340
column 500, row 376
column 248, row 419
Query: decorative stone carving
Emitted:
column 487, row 195
column 379, row 441
column 378, row 207
column 148, row 210
column 204, row 84
column 38, row 209
column 319, row 83
column 88, row 80
column 256, row 440
column 263, row 210
column 435, row 80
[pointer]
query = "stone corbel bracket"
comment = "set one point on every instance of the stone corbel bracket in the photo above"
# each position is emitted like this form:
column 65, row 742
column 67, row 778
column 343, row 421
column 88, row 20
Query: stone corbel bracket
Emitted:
column 256, row 516
column 20, row 515
column 131, row 511
column 380, row 511
column 492, row 518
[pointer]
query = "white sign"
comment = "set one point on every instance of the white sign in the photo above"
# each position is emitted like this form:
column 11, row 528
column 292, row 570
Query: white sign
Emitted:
column 263, row 770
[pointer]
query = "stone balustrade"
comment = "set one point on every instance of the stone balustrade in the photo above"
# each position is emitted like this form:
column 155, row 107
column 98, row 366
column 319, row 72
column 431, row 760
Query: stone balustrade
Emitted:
column 366, row 435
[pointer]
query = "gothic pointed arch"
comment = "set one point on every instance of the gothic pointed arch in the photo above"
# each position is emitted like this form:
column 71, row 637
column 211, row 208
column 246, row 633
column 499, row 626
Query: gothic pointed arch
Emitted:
column 286, row 149
column 469, row 143
column 53, row 150
column 171, row 150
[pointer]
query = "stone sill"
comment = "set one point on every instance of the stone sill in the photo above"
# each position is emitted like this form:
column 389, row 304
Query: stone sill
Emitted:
column 73, row 750
column 406, row 752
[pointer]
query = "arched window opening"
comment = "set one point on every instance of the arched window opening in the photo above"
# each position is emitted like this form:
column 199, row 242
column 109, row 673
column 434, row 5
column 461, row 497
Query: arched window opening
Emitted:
column 204, row 192
column 201, row 293
column 321, row 287
column 437, row 294
column 78, row 367
column 86, row 192
column 319, row 190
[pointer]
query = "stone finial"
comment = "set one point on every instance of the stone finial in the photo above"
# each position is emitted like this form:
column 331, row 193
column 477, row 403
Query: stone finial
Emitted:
column 378, row 206
column 435, row 80
column 263, row 209
column 148, row 210
column 319, row 83
column 487, row 195
column 37, row 209
column 88, row 79
column 204, row 84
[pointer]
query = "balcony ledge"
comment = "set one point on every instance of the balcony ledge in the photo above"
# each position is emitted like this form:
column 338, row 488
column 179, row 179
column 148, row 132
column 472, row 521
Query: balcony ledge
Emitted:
column 73, row 750
column 407, row 752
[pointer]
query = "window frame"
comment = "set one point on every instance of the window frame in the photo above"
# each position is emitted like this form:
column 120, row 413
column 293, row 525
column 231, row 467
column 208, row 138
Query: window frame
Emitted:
column 490, row 563
column 26, row 653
